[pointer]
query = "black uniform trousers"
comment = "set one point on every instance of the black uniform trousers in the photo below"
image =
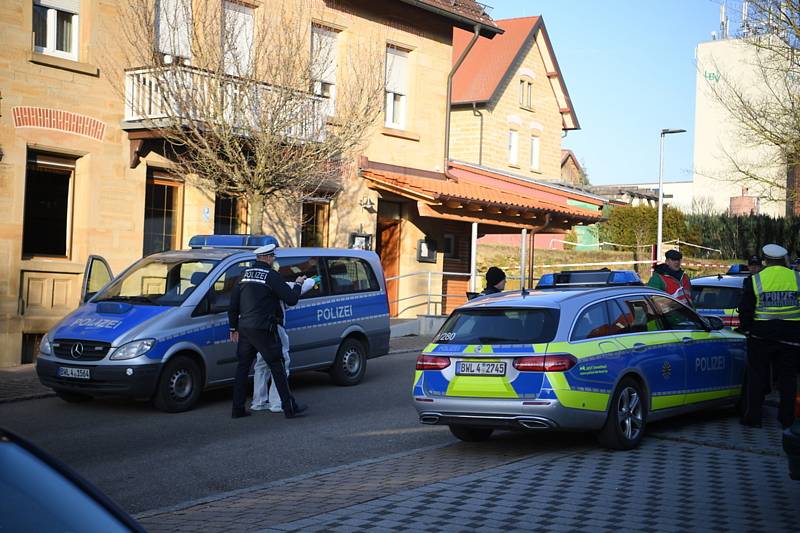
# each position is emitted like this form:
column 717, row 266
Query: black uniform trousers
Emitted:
column 784, row 357
column 251, row 342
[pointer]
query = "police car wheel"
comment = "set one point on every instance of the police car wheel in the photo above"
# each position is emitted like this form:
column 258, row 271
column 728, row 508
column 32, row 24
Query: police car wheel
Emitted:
column 73, row 397
column 470, row 434
column 627, row 416
column 179, row 386
column 350, row 364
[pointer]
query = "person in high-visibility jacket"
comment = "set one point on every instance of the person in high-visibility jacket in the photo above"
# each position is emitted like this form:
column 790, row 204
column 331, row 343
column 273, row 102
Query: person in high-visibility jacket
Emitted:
column 770, row 315
column 669, row 277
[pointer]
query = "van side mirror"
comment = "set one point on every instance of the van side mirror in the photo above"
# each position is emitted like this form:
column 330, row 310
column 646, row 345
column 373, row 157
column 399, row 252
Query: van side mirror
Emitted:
column 714, row 323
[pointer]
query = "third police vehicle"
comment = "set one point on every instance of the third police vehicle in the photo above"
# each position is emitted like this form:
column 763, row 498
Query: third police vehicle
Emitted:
column 160, row 329
column 590, row 350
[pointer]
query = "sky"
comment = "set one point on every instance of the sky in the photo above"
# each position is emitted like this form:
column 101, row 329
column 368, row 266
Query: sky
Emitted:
column 630, row 71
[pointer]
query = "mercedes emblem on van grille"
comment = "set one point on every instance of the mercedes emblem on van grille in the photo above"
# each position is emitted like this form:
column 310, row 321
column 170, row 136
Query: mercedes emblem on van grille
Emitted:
column 77, row 350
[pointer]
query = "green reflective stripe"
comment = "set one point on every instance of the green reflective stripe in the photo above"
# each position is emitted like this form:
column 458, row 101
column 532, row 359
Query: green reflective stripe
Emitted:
column 695, row 397
column 417, row 377
column 794, row 315
column 579, row 349
column 665, row 402
column 429, row 348
column 481, row 387
column 591, row 401
column 478, row 348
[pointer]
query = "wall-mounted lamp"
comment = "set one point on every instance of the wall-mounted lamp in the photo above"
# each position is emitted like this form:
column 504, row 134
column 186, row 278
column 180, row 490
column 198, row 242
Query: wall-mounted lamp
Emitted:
column 367, row 203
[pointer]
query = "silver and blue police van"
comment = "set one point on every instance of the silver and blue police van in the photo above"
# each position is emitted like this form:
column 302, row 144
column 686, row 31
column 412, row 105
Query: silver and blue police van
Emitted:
column 159, row 331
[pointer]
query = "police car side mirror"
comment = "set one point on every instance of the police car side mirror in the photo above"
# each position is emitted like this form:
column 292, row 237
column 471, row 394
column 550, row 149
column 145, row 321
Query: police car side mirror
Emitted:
column 714, row 323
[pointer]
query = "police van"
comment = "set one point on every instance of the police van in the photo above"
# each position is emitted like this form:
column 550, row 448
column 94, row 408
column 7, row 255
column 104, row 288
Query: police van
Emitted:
column 160, row 331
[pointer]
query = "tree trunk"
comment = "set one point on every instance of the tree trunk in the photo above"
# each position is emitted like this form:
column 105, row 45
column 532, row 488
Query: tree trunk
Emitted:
column 256, row 202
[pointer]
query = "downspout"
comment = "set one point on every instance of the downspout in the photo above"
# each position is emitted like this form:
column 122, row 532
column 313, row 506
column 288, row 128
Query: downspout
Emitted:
column 461, row 58
column 477, row 113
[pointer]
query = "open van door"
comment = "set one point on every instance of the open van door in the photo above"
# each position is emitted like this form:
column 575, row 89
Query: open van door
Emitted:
column 96, row 276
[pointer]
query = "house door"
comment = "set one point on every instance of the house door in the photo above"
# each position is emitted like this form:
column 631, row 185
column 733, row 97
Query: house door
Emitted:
column 388, row 248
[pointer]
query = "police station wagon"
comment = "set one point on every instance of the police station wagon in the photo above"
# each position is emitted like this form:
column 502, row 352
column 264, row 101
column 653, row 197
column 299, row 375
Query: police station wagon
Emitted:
column 605, row 356
column 160, row 330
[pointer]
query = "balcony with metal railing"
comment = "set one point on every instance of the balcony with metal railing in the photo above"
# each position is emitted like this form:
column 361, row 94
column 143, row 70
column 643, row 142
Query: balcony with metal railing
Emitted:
column 167, row 96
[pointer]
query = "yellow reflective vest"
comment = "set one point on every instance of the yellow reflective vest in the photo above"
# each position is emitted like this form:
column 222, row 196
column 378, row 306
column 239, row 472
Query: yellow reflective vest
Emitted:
column 777, row 291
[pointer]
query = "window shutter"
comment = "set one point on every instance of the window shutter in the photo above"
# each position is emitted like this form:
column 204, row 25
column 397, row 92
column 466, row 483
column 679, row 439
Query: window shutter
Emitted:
column 323, row 48
column 238, row 38
column 396, row 70
column 72, row 6
column 174, row 27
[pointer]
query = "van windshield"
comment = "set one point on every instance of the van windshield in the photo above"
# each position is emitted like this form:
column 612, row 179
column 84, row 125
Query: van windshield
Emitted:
column 499, row 326
column 158, row 281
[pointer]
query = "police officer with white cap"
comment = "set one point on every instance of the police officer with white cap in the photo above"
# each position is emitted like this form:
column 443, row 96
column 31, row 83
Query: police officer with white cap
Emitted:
column 770, row 314
column 254, row 317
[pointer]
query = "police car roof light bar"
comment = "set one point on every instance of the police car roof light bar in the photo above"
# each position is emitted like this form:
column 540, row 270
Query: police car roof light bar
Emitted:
column 589, row 278
column 231, row 241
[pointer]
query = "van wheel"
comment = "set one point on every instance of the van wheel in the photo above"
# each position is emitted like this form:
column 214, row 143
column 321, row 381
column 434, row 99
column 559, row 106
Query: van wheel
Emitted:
column 627, row 416
column 179, row 386
column 73, row 397
column 470, row 434
column 350, row 364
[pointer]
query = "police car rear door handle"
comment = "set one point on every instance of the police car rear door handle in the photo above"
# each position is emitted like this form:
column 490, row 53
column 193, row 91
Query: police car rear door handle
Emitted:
column 639, row 347
column 687, row 340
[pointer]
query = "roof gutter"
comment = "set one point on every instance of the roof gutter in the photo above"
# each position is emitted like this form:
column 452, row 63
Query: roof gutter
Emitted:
column 463, row 22
column 476, row 33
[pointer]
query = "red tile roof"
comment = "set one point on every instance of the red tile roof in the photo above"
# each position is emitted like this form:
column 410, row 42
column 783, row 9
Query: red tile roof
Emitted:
column 485, row 67
column 432, row 190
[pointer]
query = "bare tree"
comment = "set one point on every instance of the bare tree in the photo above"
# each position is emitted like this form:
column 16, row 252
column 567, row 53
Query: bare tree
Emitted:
column 766, row 107
column 254, row 103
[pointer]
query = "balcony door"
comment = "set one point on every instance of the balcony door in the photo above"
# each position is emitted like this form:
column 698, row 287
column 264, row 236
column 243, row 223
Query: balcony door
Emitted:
column 163, row 213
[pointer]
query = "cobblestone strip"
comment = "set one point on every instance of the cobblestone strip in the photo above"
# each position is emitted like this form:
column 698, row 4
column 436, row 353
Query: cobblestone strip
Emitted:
column 305, row 496
column 659, row 487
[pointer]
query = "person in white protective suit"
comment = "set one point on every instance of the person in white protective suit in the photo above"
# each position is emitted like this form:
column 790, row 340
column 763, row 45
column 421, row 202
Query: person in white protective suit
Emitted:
column 265, row 394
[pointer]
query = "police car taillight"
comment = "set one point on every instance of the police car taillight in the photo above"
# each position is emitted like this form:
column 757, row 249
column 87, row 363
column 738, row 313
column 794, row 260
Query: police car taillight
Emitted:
column 430, row 362
column 554, row 362
column 730, row 321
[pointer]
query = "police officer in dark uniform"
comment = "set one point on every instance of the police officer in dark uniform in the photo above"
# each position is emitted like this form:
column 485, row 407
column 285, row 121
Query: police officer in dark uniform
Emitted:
column 770, row 314
column 253, row 315
column 495, row 281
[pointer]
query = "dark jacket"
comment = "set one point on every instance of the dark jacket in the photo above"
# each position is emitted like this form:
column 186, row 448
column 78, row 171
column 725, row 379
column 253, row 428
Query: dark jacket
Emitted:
column 256, row 299
column 782, row 330
column 491, row 290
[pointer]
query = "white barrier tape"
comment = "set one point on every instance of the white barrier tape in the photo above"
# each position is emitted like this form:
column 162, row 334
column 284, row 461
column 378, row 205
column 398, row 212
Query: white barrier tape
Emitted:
column 607, row 263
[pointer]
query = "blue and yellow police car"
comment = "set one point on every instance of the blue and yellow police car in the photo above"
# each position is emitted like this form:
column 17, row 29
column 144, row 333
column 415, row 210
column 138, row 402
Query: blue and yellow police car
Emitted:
column 592, row 350
column 720, row 295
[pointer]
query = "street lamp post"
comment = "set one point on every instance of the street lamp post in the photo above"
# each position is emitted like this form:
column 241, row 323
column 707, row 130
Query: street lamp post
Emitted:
column 659, row 236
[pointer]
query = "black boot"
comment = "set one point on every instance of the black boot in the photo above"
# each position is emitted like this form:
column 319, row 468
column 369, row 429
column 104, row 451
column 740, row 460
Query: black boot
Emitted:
column 239, row 413
column 294, row 409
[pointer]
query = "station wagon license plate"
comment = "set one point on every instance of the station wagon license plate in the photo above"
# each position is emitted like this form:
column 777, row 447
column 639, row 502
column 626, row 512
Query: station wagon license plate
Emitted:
column 480, row 368
column 69, row 372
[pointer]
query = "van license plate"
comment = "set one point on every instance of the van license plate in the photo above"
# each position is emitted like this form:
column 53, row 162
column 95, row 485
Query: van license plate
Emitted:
column 472, row 368
column 69, row 372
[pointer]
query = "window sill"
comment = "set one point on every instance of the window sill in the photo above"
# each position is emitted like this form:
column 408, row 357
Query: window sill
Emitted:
column 536, row 171
column 56, row 265
column 400, row 134
column 527, row 108
column 64, row 64
column 514, row 165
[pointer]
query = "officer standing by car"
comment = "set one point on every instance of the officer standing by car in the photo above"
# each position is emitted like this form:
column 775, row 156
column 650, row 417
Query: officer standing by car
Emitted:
column 254, row 316
column 495, row 280
column 669, row 277
column 755, row 264
column 770, row 315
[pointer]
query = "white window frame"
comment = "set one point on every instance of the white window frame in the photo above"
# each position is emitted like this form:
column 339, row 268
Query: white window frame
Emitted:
column 513, row 147
column 53, row 7
column 238, row 62
column 536, row 153
column 396, row 93
column 325, row 74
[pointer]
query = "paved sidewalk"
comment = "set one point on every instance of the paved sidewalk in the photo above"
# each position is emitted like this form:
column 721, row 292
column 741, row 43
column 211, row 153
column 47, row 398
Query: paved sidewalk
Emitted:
column 703, row 473
column 20, row 382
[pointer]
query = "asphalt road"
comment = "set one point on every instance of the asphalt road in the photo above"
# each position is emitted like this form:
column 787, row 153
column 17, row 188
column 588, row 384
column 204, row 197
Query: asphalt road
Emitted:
column 145, row 459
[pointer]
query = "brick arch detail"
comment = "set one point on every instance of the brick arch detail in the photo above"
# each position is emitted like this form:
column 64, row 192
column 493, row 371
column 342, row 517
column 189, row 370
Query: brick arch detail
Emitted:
column 60, row 120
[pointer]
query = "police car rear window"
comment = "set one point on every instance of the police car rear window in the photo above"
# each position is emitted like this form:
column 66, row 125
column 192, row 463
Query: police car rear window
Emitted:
column 499, row 326
column 716, row 297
